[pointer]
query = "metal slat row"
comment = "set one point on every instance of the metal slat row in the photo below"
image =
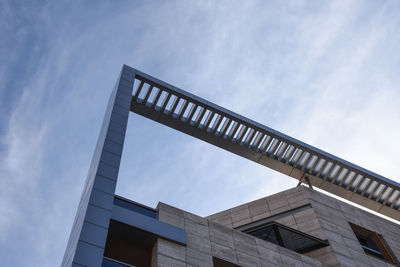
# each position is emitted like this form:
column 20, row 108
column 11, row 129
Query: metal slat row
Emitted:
column 190, row 114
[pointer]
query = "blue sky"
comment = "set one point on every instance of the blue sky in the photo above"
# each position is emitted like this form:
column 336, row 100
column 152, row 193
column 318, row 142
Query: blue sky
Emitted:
column 325, row 72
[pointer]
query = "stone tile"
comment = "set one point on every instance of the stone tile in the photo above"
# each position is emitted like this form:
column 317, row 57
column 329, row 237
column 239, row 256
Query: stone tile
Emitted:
column 339, row 248
column 171, row 219
column 280, row 210
column 170, row 209
column 240, row 213
column 171, row 249
column 171, row 215
column 221, row 235
column 277, row 202
column 258, row 207
column 319, row 233
column 304, row 216
column 260, row 217
column 297, row 199
column 197, row 258
column 310, row 226
column 245, row 243
column 197, row 229
column 266, row 245
column 194, row 218
column 374, row 261
column 324, row 255
column 359, row 257
column 241, row 223
column 197, row 243
column 345, row 261
column 268, row 253
column 223, row 218
column 223, row 252
column 309, row 262
column 289, row 261
column 246, row 259
column 353, row 243
column 165, row 261
column 288, row 221
column 289, row 253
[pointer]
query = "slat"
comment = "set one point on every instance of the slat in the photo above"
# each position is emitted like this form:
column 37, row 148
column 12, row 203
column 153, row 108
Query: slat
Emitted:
column 249, row 136
column 389, row 196
column 364, row 186
column 165, row 102
column 280, row 151
column 135, row 97
column 265, row 143
column 148, row 94
column 313, row 162
column 208, row 119
column 321, row 168
column 174, row 105
column 379, row 192
column 156, row 98
column 216, row 123
column 191, row 113
column 258, row 140
column 288, row 154
column 233, row 130
column 348, row 178
column 271, row 149
column 200, row 117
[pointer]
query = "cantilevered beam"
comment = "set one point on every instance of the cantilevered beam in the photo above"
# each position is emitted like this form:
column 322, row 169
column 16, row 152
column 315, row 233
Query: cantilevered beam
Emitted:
column 273, row 149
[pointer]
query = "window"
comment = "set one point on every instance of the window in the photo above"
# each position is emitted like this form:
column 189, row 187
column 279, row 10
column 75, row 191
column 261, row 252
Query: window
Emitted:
column 127, row 246
column 222, row 263
column 373, row 244
column 287, row 237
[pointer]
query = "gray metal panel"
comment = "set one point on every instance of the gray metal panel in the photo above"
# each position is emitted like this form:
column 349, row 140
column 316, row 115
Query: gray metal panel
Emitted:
column 149, row 224
column 89, row 231
column 266, row 152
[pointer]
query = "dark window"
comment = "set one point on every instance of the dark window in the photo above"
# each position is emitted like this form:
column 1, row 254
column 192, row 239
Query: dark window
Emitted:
column 373, row 244
column 127, row 246
column 222, row 263
column 107, row 262
column 287, row 237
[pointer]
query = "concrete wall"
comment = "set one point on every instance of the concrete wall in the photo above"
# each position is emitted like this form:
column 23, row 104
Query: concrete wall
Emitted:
column 334, row 217
column 207, row 239
column 328, row 218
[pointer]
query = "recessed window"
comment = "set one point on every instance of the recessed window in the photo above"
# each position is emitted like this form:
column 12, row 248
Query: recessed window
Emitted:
column 223, row 263
column 287, row 237
column 373, row 244
column 127, row 246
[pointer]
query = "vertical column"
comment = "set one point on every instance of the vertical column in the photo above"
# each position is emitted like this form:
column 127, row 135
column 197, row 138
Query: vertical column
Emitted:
column 89, row 231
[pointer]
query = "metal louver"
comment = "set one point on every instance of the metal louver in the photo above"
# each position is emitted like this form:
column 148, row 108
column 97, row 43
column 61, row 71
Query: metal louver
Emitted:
column 209, row 122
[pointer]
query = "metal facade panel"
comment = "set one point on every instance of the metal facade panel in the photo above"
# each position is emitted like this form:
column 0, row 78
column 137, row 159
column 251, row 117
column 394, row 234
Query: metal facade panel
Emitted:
column 149, row 224
column 89, row 231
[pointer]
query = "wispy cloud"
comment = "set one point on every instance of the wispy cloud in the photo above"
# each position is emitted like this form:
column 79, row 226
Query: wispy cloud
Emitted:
column 325, row 73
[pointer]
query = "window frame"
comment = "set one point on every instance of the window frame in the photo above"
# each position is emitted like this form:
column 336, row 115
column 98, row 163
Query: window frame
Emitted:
column 384, row 253
column 276, row 225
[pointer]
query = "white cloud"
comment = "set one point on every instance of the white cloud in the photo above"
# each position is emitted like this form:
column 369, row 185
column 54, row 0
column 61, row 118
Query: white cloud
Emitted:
column 321, row 73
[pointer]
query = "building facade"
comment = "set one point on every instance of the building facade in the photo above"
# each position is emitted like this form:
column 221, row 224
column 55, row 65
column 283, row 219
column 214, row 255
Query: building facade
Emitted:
column 297, row 227
column 316, row 230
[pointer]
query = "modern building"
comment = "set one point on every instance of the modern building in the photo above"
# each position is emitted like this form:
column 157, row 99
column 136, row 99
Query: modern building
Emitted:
column 297, row 227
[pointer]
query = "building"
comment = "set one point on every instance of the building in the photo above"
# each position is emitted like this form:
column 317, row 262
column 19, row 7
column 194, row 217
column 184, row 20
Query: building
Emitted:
column 297, row 227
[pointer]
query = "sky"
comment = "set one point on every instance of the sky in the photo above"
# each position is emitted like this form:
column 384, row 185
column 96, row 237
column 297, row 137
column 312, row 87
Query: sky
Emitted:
column 324, row 72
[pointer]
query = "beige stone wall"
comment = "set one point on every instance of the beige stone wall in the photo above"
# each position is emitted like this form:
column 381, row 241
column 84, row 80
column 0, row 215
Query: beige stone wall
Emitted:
column 328, row 219
column 206, row 239
column 334, row 217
